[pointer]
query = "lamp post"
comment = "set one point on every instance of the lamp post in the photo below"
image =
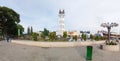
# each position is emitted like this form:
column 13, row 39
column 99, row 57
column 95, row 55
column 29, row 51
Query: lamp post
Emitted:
column 18, row 31
column 0, row 29
column 0, row 26
column 109, row 26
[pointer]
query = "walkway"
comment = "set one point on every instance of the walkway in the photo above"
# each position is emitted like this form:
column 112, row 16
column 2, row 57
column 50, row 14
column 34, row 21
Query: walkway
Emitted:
column 17, row 52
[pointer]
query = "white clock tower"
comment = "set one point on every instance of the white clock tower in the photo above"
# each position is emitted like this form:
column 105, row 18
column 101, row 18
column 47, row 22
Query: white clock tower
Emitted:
column 61, row 22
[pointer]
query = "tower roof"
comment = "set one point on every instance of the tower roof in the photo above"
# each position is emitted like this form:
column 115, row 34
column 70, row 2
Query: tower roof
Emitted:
column 61, row 11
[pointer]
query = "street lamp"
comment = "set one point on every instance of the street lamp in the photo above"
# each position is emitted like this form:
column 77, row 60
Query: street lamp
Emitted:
column 0, row 26
column 109, row 26
column 18, row 30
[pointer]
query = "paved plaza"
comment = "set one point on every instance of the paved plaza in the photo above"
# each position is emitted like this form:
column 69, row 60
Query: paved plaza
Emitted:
column 19, row 52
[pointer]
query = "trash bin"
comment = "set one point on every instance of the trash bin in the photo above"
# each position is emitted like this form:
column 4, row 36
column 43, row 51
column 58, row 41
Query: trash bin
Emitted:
column 101, row 46
column 89, row 53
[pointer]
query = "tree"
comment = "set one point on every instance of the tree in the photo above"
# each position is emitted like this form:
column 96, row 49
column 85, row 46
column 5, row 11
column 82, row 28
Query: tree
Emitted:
column 64, row 34
column 28, row 31
column 20, row 27
column 97, row 38
column 9, row 19
column 34, row 35
column 31, row 30
column 42, row 35
column 52, row 35
column 91, row 37
column 45, row 34
column 84, row 36
column 75, row 37
column 109, row 26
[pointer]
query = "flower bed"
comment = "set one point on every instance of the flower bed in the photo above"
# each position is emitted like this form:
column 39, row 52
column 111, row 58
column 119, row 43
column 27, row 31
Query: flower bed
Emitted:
column 111, row 47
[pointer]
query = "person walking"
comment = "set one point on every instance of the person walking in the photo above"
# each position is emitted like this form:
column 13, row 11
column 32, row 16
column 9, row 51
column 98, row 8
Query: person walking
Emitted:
column 7, row 38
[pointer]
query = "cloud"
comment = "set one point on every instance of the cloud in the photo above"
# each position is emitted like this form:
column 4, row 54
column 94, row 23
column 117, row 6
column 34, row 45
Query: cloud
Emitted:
column 79, row 14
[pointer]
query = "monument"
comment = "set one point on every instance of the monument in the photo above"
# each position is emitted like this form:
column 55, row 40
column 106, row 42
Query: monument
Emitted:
column 61, row 22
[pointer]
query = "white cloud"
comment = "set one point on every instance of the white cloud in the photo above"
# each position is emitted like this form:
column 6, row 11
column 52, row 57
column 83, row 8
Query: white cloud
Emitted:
column 80, row 14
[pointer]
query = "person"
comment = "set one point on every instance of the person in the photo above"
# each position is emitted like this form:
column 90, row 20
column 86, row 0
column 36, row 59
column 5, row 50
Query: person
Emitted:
column 117, row 41
column 7, row 38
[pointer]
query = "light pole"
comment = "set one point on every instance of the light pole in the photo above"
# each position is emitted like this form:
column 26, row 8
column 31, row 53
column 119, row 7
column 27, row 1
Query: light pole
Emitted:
column 109, row 26
column 18, row 31
column 0, row 26
column 0, row 29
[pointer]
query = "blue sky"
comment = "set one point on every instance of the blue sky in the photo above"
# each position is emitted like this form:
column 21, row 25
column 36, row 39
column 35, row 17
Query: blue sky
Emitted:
column 86, row 15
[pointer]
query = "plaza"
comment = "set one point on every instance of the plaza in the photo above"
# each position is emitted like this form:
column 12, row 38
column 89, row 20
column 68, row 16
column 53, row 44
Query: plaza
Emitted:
column 20, row 52
column 64, row 30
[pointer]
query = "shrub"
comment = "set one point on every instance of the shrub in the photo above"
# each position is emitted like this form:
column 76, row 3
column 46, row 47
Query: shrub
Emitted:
column 111, row 43
column 103, row 38
column 84, row 37
column 64, row 34
column 75, row 37
column 34, row 35
column 96, row 38
column 91, row 37
column 52, row 35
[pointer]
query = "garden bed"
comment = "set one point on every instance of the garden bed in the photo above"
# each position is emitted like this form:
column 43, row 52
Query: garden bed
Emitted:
column 111, row 47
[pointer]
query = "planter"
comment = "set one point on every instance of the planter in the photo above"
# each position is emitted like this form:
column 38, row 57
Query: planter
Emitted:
column 111, row 47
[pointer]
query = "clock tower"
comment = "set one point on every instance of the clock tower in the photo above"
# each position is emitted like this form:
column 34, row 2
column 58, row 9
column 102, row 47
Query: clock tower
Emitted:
column 61, row 22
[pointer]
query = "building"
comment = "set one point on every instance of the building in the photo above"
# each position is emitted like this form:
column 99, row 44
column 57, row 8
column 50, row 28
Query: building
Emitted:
column 61, row 22
column 100, row 33
column 112, row 35
column 87, row 33
column 105, row 33
column 72, row 33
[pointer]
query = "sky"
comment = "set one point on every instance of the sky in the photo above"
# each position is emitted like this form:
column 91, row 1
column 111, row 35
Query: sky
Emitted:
column 80, row 15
